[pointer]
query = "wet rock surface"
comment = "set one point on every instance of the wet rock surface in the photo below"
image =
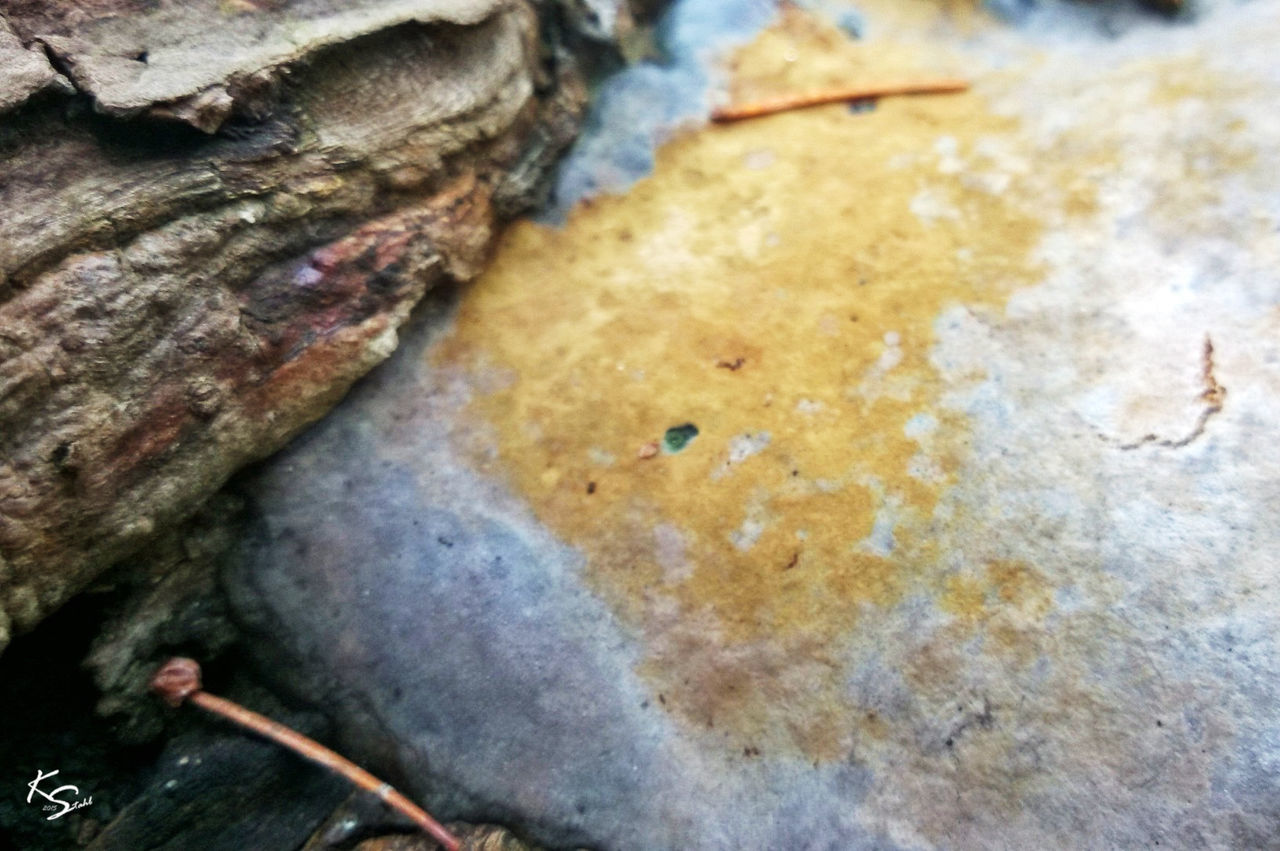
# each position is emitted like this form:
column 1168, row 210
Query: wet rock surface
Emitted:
column 975, row 542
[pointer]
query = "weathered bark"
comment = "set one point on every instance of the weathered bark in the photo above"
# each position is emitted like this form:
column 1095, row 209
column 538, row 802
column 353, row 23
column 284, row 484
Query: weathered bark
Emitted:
column 213, row 218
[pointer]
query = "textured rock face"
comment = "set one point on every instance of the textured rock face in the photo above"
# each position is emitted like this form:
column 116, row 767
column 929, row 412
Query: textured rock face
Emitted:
column 199, row 62
column 975, row 544
column 223, row 228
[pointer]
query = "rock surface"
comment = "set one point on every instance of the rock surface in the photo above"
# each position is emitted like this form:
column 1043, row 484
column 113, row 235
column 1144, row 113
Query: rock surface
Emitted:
column 220, row 229
column 202, row 62
column 975, row 545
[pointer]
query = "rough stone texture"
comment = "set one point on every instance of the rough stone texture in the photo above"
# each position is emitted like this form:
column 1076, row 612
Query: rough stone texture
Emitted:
column 176, row 302
column 365, row 823
column 24, row 71
column 473, row 838
column 203, row 62
column 170, row 605
column 976, row 544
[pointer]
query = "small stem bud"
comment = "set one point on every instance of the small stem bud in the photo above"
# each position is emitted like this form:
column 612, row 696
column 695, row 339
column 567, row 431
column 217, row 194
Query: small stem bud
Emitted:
column 179, row 679
column 176, row 680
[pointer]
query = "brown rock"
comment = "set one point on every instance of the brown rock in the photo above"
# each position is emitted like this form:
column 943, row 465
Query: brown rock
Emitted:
column 201, row 265
column 474, row 837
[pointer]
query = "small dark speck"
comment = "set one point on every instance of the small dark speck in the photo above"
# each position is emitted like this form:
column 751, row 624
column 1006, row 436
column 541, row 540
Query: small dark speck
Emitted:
column 1159, row 723
column 863, row 105
column 852, row 23
column 951, row 743
column 644, row 704
column 591, row 487
column 662, row 699
column 795, row 472
column 731, row 365
column 678, row 437
column 141, row 57
column 444, row 542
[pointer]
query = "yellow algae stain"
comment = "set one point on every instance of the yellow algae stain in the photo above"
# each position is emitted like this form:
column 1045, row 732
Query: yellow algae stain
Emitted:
column 775, row 284
column 1006, row 603
column 1002, row 585
column 803, row 53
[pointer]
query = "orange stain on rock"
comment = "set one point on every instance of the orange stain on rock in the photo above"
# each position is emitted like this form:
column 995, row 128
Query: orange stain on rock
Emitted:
column 815, row 251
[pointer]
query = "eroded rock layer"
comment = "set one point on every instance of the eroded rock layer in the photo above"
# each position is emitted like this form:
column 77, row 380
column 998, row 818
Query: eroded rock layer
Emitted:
column 213, row 219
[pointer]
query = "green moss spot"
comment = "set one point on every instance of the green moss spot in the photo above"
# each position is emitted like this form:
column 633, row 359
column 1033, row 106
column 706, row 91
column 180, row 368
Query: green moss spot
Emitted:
column 678, row 437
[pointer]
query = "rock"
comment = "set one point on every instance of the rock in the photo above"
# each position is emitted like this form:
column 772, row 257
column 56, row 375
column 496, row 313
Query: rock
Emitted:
column 975, row 544
column 203, row 62
column 473, row 837
column 24, row 71
column 169, row 603
column 365, row 820
column 223, row 229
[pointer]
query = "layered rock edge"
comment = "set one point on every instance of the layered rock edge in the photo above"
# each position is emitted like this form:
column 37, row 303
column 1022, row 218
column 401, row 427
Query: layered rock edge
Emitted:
column 178, row 298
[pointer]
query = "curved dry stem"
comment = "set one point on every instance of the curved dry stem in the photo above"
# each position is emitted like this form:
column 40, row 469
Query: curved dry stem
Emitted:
column 179, row 679
column 807, row 99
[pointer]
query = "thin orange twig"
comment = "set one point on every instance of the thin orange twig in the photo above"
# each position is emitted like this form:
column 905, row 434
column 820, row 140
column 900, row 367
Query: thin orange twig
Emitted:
column 178, row 680
column 852, row 93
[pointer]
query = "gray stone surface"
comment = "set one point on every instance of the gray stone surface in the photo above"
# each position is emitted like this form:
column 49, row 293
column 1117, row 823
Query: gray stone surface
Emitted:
column 420, row 563
column 1075, row 641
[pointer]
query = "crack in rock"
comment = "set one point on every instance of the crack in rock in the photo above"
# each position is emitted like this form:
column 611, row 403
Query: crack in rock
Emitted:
column 1214, row 396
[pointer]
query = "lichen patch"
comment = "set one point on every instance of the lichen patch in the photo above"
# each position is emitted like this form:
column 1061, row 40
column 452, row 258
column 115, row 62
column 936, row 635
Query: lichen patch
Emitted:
column 791, row 295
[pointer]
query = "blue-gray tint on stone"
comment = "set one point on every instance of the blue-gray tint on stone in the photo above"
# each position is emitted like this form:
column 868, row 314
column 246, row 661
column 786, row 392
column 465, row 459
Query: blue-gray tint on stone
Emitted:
column 455, row 645
column 636, row 110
